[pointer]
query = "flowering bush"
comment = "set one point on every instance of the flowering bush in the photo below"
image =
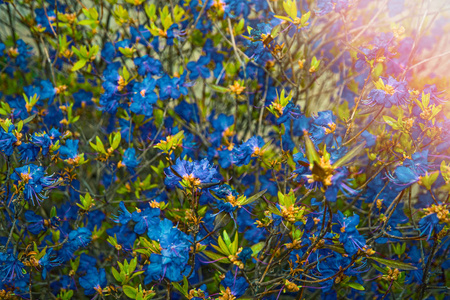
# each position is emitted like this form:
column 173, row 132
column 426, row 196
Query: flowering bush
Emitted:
column 224, row 149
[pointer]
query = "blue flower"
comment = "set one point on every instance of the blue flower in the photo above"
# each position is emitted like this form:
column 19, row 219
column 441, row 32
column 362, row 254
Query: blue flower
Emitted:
column 236, row 286
column 322, row 125
column 369, row 138
column 125, row 236
column 404, row 176
column 391, row 92
column 199, row 68
column 48, row 261
column 291, row 111
column 28, row 152
column 171, row 87
column 245, row 254
column 145, row 219
column 33, row 180
column 326, row 6
column 148, row 65
column 47, row 91
column 69, row 150
column 7, row 141
column 429, row 225
column 11, row 267
column 38, row 223
column 221, row 126
column 349, row 235
column 195, row 173
column 175, row 246
column 94, row 281
column 82, row 99
column 144, row 97
column 112, row 85
column 248, row 150
column 124, row 215
column 79, row 238
column 395, row 7
column 140, row 35
column 130, row 161
column 224, row 197
column 43, row 140
column 187, row 111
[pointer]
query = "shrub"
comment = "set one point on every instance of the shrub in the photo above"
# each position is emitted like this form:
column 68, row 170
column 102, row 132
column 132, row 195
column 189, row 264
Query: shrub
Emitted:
column 224, row 149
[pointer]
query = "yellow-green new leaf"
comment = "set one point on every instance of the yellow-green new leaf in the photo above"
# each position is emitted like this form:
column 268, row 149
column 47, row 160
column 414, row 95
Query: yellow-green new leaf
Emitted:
column 78, row 65
column 216, row 257
column 252, row 198
column 356, row 286
column 223, row 246
column 235, row 244
column 349, row 155
column 311, row 152
column 393, row 263
column 290, row 7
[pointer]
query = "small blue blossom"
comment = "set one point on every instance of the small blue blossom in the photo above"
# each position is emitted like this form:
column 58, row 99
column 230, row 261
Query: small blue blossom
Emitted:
column 199, row 68
column 429, row 225
column 248, row 150
column 393, row 93
column 196, row 173
column 94, row 281
column 130, row 161
column 34, row 182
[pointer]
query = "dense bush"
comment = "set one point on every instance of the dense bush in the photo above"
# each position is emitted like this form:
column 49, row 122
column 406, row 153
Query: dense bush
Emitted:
column 224, row 149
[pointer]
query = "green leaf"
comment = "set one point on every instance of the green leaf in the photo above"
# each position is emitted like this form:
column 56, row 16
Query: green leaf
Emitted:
column 216, row 256
column 379, row 269
column 391, row 122
column 240, row 26
column 226, row 239
column 428, row 180
column 223, row 246
column 78, row 65
column 125, row 73
column 116, row 274
column 177, row 286
column 29, row 119
column 130, row 291
column 221, row 220
column 53, row 212
column 349, row 155
column 19, row 126
column 219, row 88
column 116, row 140
column 305, row 18
column 283, row 18
column 356, row 286
column 273, row 209
column 275, row 31
column 256, row 248
column 185, row 283
column 100, row 146
column 290, row 7
column 87, row 22
column 137, row 274
column 393, row 263
column 132, row 266
column 235, row 244
column 335, row 248
column 311, row 152
column 93, row 12
column 252, row 198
